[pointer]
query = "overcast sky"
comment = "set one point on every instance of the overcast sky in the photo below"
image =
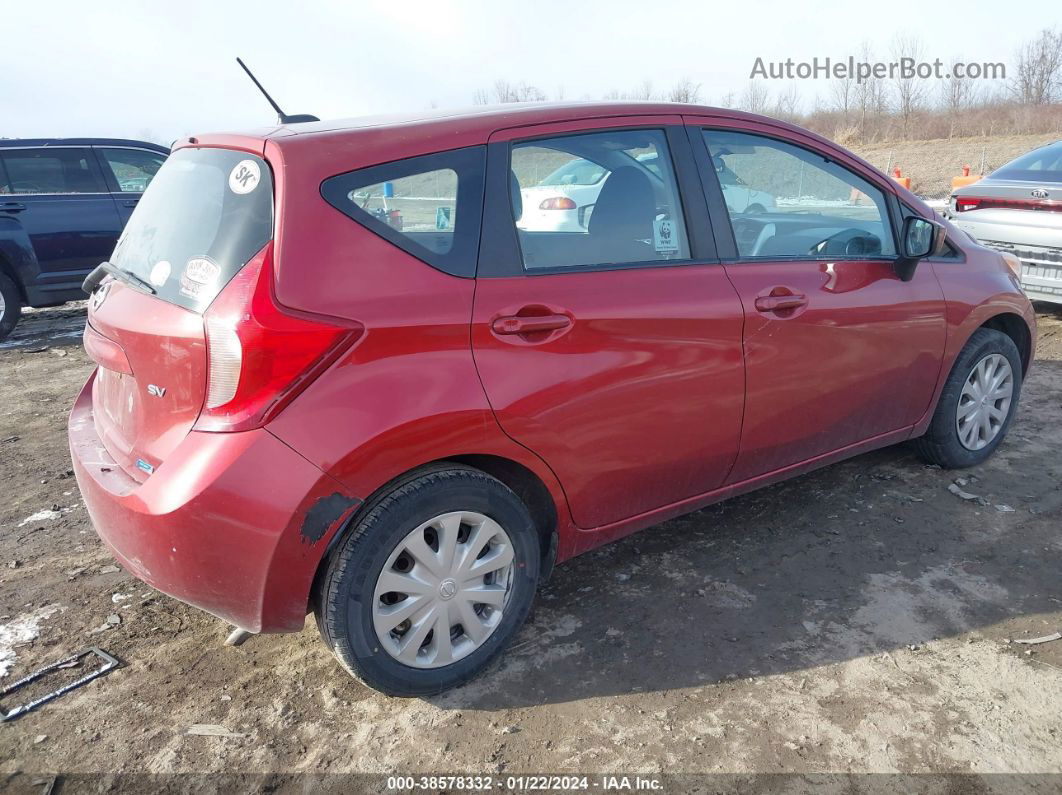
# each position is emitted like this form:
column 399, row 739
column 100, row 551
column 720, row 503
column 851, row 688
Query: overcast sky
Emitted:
column 141, row 69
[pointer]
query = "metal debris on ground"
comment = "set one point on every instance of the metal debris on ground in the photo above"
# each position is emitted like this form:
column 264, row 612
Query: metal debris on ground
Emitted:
column 1036, row 641
column 212, row 730
column 237, row 637
column 955, row 489
column 109, row 664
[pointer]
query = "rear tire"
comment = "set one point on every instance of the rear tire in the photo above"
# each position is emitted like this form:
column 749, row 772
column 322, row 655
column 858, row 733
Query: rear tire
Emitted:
column 354, row 606
column 10, row 305
column 951, row 441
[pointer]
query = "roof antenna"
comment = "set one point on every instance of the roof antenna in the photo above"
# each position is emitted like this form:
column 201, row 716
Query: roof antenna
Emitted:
column 284, row 118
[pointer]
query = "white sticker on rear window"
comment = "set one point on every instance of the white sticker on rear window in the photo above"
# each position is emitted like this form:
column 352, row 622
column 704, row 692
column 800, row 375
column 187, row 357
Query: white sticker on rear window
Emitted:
column 244, row 176
column 664, row 239
column 160, row 273
column 199, row 275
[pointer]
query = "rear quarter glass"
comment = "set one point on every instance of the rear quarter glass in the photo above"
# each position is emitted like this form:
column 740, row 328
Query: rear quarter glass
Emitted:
column 204, row 215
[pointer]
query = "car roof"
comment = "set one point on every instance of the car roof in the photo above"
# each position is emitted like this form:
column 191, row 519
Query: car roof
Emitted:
column 494, row 117
column 325, row 147
column 9, row 143
column 479, row 120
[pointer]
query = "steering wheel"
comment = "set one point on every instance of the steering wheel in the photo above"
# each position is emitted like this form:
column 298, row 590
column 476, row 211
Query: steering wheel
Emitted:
column 767, row 231
column 852, row 242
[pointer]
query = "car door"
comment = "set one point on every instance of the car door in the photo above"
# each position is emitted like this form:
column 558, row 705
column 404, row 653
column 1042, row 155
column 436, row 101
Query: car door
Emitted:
column 612, row 351
column 128, row 172
column 59, row 198
column 838, row 349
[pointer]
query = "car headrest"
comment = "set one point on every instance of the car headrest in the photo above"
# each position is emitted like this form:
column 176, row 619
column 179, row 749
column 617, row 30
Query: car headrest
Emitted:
column 626, row 204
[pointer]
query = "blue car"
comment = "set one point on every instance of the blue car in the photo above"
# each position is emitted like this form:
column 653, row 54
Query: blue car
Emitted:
column 63, row 203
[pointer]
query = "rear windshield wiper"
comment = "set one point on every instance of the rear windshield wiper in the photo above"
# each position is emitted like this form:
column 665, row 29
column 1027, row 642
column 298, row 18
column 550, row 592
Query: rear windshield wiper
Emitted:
column 92, row 281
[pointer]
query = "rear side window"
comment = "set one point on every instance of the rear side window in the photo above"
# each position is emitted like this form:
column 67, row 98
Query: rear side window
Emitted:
column 624, row 209
column 133, row 169
column 48, row 170
column 428, row 206
column 205, row 214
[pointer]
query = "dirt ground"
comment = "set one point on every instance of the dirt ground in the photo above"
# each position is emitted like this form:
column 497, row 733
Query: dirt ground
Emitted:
column 932, row 164
column 861, row 618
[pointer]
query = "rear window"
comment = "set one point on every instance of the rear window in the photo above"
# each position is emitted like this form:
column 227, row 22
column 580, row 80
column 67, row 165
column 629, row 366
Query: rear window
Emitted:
column 429, row 206
column 1040, row 165
column 205, row 214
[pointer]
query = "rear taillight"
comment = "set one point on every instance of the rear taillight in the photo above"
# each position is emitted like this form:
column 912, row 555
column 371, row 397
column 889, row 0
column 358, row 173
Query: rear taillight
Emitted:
column 259, row 357
column 557, row 203
column 967, row 203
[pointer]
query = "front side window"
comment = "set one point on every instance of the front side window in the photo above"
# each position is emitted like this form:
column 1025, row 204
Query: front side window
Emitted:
column 607, row 198
column 788, row 202
column 133, row 169
column 429, row 206
column 52, row 170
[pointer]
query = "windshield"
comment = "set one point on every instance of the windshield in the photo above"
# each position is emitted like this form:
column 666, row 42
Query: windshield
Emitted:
column 1040, row 165
column 204, row 215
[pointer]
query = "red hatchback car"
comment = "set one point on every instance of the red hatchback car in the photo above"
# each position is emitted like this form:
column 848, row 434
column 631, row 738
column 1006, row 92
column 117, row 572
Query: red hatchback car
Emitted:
column 355, row 368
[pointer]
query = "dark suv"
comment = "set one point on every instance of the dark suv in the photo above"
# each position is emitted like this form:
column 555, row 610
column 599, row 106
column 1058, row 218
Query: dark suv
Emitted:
column 63, row 203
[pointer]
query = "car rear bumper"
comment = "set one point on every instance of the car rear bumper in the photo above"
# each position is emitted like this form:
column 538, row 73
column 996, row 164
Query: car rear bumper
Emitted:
column 232, row 523
column 1033, row 237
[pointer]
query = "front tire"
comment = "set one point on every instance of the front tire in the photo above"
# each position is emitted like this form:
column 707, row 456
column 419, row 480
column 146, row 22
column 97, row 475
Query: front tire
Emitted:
column 431, row 583
column 977, row 403
column 10, row 305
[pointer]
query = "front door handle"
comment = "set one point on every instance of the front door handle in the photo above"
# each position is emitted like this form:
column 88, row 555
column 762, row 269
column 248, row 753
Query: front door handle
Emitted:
column 521, row 324
column 12, row 207
column 774, row 303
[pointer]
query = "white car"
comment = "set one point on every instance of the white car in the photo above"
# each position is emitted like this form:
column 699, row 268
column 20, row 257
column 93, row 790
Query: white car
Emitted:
column 564, row 200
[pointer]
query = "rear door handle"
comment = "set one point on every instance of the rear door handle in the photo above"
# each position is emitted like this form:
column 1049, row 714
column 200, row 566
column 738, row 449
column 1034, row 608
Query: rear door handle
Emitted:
column 12, row 207
column 773, row 303
column 130, row 202
column 519, row 324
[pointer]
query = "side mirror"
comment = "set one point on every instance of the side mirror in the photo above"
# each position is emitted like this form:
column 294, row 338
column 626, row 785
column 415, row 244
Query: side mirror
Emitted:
column 921, row 238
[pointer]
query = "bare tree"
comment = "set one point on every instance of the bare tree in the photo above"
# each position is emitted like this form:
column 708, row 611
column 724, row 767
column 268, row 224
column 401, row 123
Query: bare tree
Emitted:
column 525, row 92
column 787, row 106
column 843, row 94
column 870, row 99
column 505, row 92
column 755, row 98
column 910, row 90
column 727, row 100
column 956, row 95
column 1039, row 69
column 685, row 90
column 644, row 91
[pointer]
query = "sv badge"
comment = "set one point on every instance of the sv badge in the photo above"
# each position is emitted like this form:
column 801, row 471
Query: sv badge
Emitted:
column 156, row 391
